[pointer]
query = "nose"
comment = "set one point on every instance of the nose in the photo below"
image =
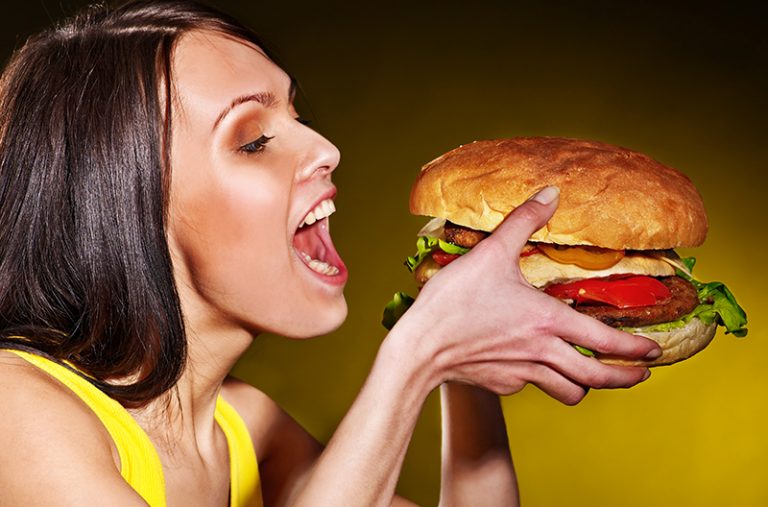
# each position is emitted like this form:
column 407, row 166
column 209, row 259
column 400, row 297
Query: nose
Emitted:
column 321, row 159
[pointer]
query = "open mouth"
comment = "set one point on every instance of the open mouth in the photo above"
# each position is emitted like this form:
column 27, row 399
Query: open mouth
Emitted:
column 313, row 244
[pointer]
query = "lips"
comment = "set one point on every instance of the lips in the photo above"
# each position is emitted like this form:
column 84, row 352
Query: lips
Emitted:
column 314, row 246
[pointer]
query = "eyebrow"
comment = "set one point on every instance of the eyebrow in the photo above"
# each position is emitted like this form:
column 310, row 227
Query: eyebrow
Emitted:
column 266, row 99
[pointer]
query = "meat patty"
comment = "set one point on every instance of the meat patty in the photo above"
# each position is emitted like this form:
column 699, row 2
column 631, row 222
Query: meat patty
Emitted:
column 463, row 236
column 684, row 299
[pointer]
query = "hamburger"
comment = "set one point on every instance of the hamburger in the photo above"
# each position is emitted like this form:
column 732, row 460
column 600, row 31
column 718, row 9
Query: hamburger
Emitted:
column 609, row 249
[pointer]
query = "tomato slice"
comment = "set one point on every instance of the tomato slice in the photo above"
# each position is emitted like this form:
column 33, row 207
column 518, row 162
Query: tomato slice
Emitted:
column 621, row 292
column 444, row 258
column 529, row 250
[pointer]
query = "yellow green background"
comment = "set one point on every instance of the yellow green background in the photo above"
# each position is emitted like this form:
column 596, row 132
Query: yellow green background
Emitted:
column 395, row 84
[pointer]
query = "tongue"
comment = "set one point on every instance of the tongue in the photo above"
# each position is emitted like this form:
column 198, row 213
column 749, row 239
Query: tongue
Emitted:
column 315, row 241
column 308, row 241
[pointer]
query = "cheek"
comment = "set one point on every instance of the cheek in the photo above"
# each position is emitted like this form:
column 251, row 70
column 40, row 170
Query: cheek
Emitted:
column 231, row 235
column 241, row 218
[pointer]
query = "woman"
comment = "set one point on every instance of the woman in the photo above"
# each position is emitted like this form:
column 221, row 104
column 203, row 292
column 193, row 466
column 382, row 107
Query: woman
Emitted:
column 156, row 187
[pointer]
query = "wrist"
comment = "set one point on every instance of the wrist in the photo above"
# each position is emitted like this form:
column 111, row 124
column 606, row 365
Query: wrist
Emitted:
column 410, row 354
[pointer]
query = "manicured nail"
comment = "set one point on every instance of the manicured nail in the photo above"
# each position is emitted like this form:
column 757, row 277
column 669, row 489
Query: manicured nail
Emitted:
column 546, row 195
column 653, row 354
column 646, row 375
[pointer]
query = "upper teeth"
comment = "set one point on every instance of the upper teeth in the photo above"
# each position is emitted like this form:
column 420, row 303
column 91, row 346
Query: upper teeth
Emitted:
column 322, row 210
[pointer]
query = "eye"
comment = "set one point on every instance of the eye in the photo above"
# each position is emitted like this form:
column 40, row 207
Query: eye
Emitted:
column 256, row 146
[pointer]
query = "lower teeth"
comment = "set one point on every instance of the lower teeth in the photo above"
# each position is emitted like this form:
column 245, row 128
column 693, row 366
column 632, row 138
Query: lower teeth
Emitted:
column 319, row 266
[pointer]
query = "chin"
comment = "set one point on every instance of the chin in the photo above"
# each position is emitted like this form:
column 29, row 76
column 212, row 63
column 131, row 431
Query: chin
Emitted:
column 332, row 319
column 323, row 320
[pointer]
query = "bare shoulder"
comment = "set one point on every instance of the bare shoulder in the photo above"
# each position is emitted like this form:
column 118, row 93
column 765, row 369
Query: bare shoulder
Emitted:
column 253, row 405
column 285, row 450
column 51, row 440
column 34, row 403
column 268, row 423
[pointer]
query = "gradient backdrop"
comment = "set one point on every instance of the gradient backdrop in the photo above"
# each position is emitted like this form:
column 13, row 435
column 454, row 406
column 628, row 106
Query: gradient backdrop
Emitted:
column 395, row 84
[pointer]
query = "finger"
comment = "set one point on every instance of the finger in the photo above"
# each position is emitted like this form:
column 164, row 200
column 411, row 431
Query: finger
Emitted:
column 589, row 332
column 526, row 219
column 589, row 372
column 555, row 384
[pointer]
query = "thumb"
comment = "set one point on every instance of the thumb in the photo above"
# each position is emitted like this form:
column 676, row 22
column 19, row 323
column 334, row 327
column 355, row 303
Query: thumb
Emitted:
column 527, row 218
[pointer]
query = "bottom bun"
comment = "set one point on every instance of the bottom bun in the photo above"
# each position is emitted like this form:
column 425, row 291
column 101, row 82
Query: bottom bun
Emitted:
column 676, row 344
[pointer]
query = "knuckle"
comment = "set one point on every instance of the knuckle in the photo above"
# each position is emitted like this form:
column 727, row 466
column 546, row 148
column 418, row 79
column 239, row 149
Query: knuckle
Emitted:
column 538, row 349
column 489, row 247
column 547, row 315
column 574, row 397
column 603, row 343
column 511, row 387
column 598, row 379
column 532, row 372
column 528, row 212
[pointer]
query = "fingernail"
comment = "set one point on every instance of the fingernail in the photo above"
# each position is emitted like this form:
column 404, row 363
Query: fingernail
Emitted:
column 546, row 195
column 646, row 375
column 653, row 354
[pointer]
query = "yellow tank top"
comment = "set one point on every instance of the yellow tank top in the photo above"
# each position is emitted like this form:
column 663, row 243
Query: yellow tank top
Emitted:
column 139, row 462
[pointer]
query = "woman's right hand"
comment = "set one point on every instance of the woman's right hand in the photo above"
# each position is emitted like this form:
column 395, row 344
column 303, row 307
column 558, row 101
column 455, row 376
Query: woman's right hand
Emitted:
column 478, row 321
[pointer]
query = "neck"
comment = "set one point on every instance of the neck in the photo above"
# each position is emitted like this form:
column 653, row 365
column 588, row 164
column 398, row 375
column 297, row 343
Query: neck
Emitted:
column 185, row 413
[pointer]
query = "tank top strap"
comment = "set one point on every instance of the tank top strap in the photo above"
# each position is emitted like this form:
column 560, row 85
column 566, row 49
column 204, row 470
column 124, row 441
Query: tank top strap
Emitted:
column 243, row 468
column 140, row 464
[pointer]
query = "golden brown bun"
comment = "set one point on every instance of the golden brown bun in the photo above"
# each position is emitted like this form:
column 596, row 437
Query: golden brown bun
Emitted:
column 676, row 344
column 609, row 196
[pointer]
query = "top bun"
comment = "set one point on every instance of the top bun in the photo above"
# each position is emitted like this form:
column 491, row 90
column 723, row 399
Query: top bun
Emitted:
column 610, row 197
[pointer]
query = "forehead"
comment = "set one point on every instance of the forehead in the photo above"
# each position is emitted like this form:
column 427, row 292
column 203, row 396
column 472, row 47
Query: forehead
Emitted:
column 210, row 69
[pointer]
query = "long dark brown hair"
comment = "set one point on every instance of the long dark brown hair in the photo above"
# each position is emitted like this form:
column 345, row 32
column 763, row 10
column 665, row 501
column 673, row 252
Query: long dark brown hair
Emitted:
column 85, row 271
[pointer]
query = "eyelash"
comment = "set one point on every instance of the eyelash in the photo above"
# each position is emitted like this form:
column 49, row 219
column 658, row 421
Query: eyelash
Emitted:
column 256, row 146
column 259, row 144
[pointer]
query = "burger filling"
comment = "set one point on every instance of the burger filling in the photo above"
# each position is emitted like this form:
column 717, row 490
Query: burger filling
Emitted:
column 652, row 290
column 619, row 300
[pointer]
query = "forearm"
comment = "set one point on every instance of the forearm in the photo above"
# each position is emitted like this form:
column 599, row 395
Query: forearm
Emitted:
column 362, row 462
column 476, row 464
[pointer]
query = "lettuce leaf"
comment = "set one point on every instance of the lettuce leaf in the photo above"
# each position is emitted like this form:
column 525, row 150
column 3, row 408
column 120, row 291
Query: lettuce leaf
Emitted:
column 401, row 301
column 584, row 350
column 718, row 305
column 425, row 245
column 395, row 309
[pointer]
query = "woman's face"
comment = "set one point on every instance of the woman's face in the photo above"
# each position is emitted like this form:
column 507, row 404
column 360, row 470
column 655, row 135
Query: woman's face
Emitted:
column 250, row 194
